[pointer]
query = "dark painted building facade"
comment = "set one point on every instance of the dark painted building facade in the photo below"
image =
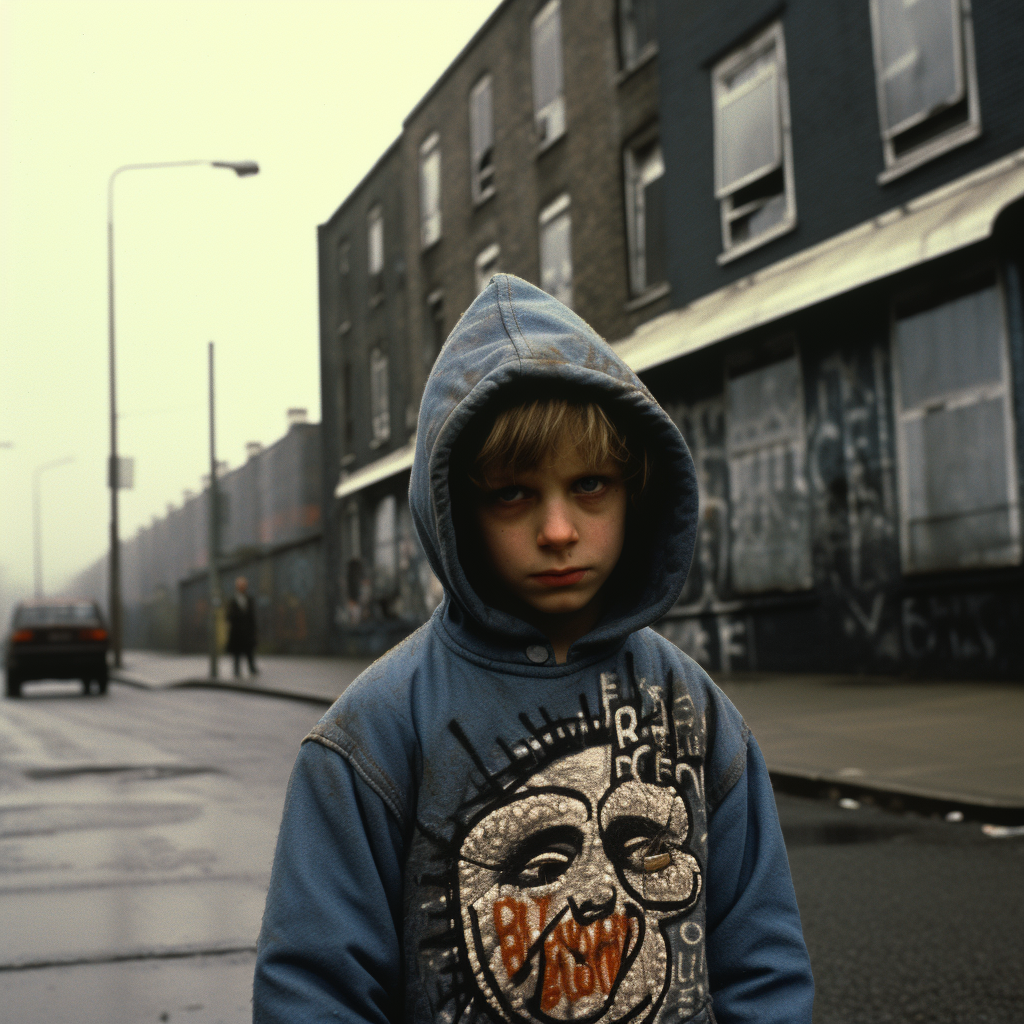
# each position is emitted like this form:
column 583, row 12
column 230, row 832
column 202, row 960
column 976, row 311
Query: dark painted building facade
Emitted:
column 846, row 355
column 536, row 153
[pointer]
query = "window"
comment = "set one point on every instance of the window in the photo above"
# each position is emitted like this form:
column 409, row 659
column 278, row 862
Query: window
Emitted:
column 924, row 72
column 481, row 137
column 348, row 431
column 638, row 29
column 556, row 250
column 385, row 546
column 380, row 415
column 434, row 333
column 546, row 50
column 753, row 154
column 957, row 465
column 771, row 522
column 375, row 248
column 486, row 266
column 430, row 190
column 645, row 206
column 344, row 287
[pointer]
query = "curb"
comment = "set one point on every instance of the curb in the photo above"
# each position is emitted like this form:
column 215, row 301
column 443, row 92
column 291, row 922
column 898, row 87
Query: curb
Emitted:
column 818, row 787
column 203, row 683
column 823, row 787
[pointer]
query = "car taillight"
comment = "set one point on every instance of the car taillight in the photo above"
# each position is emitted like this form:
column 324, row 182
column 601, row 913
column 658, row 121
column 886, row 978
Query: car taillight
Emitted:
column 92, row 634
column 22, row 636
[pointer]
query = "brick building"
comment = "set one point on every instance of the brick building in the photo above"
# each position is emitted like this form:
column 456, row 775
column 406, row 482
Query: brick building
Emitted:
column 536, row 153
column 846, row 353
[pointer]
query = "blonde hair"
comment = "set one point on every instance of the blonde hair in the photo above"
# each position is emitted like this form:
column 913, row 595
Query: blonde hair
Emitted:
column 521, row 437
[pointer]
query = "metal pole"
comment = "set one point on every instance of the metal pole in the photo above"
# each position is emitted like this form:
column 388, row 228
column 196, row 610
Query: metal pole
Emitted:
column 114, row 574
column 37, row 521
column 243, row 168
column 212, row 560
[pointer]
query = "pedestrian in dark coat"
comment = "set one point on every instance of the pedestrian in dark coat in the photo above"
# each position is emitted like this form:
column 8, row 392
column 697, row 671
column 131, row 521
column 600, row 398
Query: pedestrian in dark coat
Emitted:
column 242, row 627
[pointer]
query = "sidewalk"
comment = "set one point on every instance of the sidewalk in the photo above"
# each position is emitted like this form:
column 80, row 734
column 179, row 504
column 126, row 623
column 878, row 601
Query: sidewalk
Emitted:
column 929, row 746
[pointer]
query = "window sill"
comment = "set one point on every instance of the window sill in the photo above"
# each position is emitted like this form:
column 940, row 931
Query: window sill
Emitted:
column 379, row 442
column 543, row 147
column 427, row 246
column 646, row 298
column 344, row 328
column 481, row 199
column 348, row 460
column 929, row 151
column 376, row 300
column 649, row 52
column 755, row 243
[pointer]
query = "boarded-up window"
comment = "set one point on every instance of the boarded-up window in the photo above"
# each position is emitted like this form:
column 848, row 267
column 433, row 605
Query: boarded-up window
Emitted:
column 481, row 136
column 430, row 190
column 380, row 412
column 645, row 177
column 385, row 546
column 556, row 250
column 770, row 521
column 958, row 485
column 546, row 52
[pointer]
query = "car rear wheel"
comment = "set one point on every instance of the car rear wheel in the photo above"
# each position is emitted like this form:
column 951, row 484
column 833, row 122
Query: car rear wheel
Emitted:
column 13, row 685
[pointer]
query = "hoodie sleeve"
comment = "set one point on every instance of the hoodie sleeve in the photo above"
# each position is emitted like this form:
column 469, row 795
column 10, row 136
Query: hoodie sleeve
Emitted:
column 330, row 945
column 758, row 965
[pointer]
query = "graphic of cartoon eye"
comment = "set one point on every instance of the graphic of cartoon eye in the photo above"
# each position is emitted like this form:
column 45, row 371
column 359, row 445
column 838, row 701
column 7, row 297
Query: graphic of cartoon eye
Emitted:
column 542, row 858
column 638, row 844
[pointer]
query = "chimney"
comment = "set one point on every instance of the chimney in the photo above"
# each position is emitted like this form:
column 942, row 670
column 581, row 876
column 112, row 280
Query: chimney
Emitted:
column 296, row 415
column 252, row 449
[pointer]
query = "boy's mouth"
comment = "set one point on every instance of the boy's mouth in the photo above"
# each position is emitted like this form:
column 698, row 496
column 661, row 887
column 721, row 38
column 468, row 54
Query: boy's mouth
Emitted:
column 559, row 577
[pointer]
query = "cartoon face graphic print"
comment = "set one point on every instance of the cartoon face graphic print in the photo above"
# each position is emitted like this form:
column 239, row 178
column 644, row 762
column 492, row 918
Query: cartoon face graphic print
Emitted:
column 562, row 888
column 567, row 885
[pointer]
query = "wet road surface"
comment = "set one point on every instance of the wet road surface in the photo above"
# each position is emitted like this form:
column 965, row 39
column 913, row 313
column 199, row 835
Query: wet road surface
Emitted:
column 137, row 832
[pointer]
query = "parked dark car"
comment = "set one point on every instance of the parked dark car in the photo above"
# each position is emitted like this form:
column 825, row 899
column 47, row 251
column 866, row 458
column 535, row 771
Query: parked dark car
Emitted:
column 57, row 640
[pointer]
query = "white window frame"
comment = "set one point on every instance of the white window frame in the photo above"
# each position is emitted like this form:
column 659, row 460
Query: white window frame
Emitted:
column 560, row 207
column 480, row 142
column 630, row 54
column 958, row 398
column 549, row 118
column 486, row 258
column 385, row 546
column 731, row 65
column 380, row 412
column 957, row 134
column 636, row 215
column 375, row 240
column 430, row 190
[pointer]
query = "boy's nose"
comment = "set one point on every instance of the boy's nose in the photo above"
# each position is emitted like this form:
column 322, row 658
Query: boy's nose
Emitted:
column 556, row 528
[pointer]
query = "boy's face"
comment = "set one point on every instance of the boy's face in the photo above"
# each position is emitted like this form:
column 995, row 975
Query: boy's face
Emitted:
column 555, row 533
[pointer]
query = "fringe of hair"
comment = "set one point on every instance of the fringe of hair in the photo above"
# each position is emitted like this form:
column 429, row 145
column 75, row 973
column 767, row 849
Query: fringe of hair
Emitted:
column 522, row 436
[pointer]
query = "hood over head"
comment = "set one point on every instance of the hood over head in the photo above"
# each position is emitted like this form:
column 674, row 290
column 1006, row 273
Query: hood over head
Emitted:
column 516, row 337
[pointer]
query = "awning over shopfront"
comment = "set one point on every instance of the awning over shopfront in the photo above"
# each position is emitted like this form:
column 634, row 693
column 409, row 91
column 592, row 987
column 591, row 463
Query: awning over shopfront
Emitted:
column 392, row 463
column 950, row 218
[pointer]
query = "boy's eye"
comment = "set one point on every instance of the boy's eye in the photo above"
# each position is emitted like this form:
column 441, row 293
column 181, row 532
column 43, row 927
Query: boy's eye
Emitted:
column 509, row 494
column 589, row 484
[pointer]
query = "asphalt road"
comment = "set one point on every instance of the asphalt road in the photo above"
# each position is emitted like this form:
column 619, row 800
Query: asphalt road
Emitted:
column 137, row 831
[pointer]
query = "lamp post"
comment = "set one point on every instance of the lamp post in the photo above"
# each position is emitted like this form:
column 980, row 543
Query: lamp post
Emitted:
column 37, row 520
column 243, row 168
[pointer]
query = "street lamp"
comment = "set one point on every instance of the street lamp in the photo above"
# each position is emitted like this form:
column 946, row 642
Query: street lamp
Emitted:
column 243, row 168
column 37, row 520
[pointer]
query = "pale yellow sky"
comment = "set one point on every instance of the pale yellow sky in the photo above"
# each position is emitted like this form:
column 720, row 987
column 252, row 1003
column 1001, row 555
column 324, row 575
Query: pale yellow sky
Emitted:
column 312, row 90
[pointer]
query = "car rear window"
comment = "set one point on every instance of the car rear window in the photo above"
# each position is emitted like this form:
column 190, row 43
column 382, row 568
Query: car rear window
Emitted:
column 57, row 615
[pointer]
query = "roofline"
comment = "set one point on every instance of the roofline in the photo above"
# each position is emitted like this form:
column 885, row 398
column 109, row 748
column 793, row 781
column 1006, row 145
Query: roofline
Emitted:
column 448, row 71
column 364, row 180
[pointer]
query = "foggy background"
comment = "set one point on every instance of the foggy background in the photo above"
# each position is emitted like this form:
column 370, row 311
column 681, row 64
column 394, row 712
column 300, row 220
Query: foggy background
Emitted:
column 314, row 91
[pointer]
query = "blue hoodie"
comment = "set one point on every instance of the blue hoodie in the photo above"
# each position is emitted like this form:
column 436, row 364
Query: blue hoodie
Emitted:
column 474, row 833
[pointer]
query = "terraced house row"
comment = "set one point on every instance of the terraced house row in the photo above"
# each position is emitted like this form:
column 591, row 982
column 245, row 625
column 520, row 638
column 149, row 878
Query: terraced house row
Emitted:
column 801, row 224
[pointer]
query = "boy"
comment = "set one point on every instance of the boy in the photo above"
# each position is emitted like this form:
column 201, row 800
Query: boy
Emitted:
column 536, row 809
